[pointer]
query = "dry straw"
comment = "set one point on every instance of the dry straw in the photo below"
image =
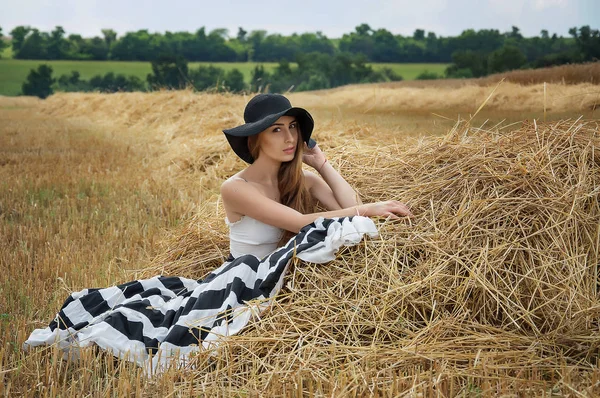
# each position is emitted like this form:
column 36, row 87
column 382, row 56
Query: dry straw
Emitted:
column 491, row 289
column 492, row 286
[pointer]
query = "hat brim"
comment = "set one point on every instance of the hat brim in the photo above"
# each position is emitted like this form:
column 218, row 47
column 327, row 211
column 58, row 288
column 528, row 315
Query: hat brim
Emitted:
column 238, row 136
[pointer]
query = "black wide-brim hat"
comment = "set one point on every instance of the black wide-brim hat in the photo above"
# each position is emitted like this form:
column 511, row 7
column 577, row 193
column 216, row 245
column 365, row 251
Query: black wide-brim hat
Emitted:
column 261, row 112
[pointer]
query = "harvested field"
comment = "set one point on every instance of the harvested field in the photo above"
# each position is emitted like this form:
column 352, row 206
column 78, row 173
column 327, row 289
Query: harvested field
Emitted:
column 491, row 290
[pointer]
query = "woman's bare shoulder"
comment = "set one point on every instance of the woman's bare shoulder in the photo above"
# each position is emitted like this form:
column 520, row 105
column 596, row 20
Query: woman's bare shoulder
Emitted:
column 234, row 179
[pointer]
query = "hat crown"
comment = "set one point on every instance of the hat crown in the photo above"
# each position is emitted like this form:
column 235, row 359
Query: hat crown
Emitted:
column 264, row 105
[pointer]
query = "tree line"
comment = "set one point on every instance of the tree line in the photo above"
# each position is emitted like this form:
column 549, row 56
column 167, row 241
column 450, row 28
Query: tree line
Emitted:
column 320, row 62
column 313, row 71
column 377, row 45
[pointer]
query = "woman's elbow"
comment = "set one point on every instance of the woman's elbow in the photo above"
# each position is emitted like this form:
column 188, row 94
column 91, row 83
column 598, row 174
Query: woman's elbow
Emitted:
column 302, row 221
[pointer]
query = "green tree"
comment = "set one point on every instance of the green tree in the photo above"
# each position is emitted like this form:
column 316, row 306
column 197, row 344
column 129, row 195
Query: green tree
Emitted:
column 234, row 81
column 467, row 63
column 76, row 46
column 419, row 34
column 259, row 78
column 18, row 35
column 588, row 42
column 73, row 83
column 515, row 33
column 168, row 71
column 385, row 47
column 241, row 34
column 378, row 45
column 95, row 49
column 110, row 36
column 359, row 41
column 3, row 44
column 505, row 59
column 39, row 82
column 111, row 83
column 363, row 30
column 312, row 42
column 57, row 46
column 35, row 46
column 206, row 78
column 427, row 75
column 135, row 46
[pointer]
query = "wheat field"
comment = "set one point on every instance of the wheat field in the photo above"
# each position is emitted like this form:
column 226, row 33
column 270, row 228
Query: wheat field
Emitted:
column 492, row 290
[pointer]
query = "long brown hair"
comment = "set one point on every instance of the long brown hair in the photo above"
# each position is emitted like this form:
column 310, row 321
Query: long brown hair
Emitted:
column 290, row 181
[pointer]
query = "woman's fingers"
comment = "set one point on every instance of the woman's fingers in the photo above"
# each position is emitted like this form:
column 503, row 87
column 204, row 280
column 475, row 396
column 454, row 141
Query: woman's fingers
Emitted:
column 403, row 209
column 389, row 209
column 392, row 216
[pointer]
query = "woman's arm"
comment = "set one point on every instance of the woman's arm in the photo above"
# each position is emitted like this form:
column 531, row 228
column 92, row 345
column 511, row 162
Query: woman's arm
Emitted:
column 342, row 192
column 242, row 198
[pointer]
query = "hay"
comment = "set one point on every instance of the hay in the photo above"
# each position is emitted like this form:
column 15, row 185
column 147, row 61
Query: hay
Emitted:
column 490, row 290
column 493, row 286
column 510, row 97
column 566, row 74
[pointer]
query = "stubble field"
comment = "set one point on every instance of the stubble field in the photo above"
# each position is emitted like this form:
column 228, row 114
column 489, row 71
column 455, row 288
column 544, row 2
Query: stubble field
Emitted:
column 491, row 290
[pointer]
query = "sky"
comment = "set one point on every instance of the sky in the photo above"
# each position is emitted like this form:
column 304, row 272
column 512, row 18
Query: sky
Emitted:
column 331, row 17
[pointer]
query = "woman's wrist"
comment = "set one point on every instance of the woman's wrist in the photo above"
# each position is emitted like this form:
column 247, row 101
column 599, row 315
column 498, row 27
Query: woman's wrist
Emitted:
column 320, row 168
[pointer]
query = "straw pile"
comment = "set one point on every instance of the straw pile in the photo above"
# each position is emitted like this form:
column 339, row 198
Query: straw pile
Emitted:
column 509, row 97
column 565, row 74
column 492, row 288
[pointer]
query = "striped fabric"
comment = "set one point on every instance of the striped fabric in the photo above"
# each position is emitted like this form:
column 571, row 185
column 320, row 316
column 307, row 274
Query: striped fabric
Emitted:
column 163, row 320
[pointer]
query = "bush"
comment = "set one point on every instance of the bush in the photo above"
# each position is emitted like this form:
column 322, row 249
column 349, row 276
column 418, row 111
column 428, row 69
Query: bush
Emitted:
column 505, row 59
column 318, row 71
column 111, row 83
column 206, row 77
column 259, row 78
column 315, row 82
column 234, row 81
column 427, row 75
column 463, row 73
column 73, row 83
column 39, row 82
column 474, row 62
column 168, row 71
column 388, row 74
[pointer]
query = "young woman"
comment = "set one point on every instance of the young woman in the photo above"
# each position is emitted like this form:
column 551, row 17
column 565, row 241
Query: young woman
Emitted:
column 273, row 194
column 168, row 318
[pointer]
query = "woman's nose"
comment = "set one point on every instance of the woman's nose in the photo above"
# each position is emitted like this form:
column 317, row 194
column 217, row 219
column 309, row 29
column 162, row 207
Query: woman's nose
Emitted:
column 289, row 137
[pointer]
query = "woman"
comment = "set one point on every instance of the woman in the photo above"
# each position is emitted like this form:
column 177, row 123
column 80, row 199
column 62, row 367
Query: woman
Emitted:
column 273, row 194
column 162, row 319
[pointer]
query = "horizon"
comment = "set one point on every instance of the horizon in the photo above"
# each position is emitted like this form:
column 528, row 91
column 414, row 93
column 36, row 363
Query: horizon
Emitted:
column 333, row 19
column 6, row 35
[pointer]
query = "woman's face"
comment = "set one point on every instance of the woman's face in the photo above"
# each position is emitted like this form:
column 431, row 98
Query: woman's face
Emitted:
column 279, row 141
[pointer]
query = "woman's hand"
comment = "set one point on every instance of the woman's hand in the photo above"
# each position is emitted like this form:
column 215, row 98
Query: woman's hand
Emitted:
column 313, row 157
column 390, row 208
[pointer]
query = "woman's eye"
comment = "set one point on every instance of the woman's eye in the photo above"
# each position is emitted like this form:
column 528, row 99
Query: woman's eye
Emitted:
column 276, row 130
column 293, row 126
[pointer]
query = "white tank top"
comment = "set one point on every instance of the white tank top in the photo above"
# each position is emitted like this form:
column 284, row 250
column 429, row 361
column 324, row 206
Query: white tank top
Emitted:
column 250, row 236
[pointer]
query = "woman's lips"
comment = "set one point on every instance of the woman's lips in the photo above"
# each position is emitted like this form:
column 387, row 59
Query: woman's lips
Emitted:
column 289, row 150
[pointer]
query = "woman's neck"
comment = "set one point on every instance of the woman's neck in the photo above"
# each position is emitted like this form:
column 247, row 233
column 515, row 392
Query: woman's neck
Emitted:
column 264, row 170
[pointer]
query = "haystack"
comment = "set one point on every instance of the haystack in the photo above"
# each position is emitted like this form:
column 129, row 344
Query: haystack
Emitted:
column 492, row 287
